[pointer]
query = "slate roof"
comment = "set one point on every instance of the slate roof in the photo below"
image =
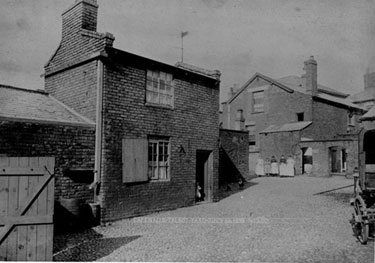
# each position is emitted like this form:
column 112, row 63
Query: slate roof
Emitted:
column 365, row 95
column 298, row 84
column 370, row 115
column 287, row 127
column 295, row 83
column 37, row 106
column 289, row 84
column 342, row 101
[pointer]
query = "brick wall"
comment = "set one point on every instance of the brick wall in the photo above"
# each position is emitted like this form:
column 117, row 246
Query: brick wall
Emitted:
column 284, row 106
column 281, row 143
column 192, row 124
column 328, row 121
column 72, row 147
column 76, row 88
column 234, row 156
column 321, row 158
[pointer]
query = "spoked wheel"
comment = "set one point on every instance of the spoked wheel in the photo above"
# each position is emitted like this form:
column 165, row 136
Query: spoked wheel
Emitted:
column 360, row 222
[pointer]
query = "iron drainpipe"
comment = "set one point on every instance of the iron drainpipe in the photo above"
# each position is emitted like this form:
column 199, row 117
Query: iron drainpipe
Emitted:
column 98, row 129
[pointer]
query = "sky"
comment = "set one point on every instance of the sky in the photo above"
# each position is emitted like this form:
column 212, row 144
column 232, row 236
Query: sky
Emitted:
column 237, row 37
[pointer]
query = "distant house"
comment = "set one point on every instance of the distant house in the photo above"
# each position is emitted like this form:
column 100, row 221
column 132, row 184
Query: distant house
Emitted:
column 366, row 98
column 299, row 117
column 156, row 125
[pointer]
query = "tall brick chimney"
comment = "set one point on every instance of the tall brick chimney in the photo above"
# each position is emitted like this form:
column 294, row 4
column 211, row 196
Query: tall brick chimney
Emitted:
column 82, row 15
column 311, row 76
column 369, row 79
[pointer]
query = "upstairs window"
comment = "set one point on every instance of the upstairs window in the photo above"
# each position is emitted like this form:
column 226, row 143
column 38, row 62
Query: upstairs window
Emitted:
column 240, row 121
column 258, row 101
column 251, row 128
column 158, row 159
column 159, row 88
column 300, row 116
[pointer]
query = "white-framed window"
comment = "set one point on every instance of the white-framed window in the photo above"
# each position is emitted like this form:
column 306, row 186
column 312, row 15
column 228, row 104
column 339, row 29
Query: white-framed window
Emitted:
column 158, row 159
column 258, row 101
column 159, row 88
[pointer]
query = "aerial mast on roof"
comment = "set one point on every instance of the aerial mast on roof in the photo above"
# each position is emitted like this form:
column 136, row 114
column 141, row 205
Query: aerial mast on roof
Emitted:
column 183, row 33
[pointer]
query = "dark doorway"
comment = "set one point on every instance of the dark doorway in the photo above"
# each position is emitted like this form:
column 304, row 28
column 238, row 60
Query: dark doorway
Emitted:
column 335, row 159
column 204, row 170
column 368, row 146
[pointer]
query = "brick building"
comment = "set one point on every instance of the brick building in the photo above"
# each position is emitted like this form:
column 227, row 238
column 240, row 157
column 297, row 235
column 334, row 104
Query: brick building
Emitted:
column 156, row 125
column 33, row 123
column 299, row 117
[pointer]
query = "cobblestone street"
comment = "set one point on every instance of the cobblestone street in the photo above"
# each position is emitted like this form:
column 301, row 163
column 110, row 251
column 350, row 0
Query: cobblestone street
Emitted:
column 274, row 220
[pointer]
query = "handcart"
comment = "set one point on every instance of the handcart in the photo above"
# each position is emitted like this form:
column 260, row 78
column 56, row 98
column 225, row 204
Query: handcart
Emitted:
column 363, row 218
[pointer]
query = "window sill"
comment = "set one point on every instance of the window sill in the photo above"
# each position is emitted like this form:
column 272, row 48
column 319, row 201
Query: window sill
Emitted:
column 160, row 181
column 257, row 112
column 150, row 104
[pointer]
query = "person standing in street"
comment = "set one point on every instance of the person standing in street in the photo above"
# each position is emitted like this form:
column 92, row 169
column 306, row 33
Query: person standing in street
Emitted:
column 274, row 166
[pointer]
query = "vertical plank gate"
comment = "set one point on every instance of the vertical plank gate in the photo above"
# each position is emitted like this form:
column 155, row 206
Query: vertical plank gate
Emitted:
column 26, row 208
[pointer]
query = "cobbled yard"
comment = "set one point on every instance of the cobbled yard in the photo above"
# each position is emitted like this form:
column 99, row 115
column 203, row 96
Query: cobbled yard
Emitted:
column 273, row 220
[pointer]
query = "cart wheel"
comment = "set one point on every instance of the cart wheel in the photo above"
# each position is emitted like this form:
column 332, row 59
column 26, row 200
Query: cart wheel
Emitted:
column 361, row 226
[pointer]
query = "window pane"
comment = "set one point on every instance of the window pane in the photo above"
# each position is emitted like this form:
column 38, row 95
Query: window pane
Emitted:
column 156, row 74
column 162, row 86
column 160, row 83
column 155, row 173
column 155, row 97
column 163, row 173
column 163, row 76
column 163, row 99
column 155, row 84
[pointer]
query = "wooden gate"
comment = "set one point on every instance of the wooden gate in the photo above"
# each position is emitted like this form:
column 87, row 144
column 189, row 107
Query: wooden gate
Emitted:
column 26, row 208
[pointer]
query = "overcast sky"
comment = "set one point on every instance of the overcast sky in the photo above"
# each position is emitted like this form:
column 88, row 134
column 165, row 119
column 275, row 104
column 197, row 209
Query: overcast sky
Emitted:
column 238, row 38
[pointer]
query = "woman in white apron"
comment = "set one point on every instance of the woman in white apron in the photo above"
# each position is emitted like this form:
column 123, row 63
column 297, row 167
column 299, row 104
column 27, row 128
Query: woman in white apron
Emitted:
column 290, row 166
column 282, row 167
column 274, row 166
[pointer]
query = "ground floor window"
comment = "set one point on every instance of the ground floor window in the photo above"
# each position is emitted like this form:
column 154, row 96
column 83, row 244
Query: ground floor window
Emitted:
column 158, row 159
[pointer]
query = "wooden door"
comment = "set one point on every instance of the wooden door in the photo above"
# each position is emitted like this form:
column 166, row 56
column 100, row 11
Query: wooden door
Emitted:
column 26, row 208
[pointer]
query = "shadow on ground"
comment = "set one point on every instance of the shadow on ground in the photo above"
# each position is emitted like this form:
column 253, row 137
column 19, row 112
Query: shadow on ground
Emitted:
column 232, row 188
column 62, row 241
column 92, row 249
column 340, row 197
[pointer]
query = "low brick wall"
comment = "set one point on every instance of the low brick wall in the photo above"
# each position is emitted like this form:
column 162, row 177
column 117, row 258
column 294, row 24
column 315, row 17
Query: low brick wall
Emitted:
column 234, row 156
column 72, row 147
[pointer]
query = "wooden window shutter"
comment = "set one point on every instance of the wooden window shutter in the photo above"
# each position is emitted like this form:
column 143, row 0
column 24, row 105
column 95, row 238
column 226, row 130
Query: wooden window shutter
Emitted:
column 134, row 160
